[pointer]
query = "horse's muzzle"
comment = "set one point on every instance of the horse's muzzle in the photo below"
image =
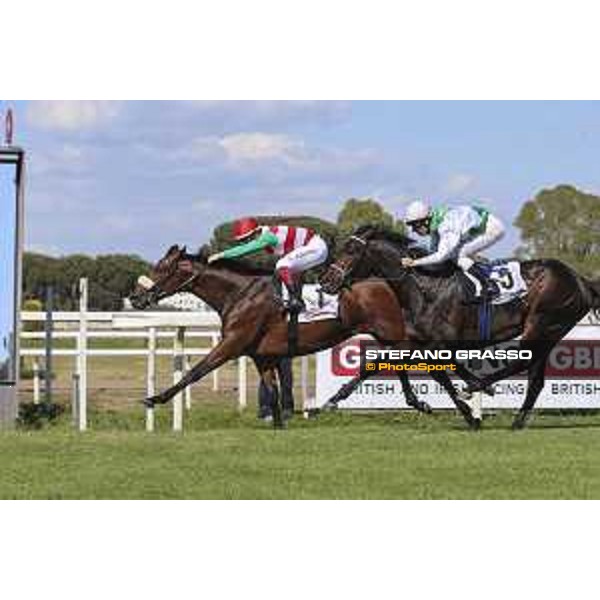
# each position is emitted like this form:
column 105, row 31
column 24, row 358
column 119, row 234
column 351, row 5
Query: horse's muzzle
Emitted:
column 141, row 299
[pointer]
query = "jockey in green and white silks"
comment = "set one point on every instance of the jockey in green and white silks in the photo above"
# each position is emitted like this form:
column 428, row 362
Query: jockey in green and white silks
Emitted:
column 458, row 233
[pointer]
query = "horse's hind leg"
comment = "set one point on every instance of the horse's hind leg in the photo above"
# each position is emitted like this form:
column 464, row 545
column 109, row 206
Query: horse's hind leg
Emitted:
column 462, row 406
column 536, row 376
column 344, row 392
column 410, row 397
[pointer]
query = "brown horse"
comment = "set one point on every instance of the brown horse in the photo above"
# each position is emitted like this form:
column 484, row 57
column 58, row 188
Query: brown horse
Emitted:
column 255, row 324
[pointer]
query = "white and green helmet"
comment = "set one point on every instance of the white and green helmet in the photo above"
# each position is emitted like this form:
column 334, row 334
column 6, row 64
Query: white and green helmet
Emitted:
column 417, row 211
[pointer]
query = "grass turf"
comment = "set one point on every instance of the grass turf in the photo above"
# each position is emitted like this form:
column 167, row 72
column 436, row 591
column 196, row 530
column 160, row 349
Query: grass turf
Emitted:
column 226, row 455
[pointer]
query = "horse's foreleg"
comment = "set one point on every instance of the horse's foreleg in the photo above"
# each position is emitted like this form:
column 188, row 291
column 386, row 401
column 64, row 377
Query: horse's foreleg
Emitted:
column 226, row 350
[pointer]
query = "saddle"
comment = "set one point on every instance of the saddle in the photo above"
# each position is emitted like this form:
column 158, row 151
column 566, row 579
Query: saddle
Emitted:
column 501, row 282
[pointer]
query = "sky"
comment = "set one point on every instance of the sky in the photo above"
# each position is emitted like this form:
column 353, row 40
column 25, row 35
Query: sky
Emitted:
column 136, row 177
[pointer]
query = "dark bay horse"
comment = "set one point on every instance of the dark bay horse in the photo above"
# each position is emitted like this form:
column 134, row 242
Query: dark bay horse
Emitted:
column 434, row 304
column 254, row 323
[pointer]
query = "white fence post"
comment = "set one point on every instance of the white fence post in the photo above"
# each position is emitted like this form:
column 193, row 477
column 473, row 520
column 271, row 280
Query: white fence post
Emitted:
column 76, row 399
column 188, row 390
column 151, row 377
column 178, row 350
column 82, row 356
column 242, row 384
column 304, row 381
column 215, row 374
column 36, row 381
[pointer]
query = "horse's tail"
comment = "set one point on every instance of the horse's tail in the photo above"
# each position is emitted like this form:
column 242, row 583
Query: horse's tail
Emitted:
column 594, row 289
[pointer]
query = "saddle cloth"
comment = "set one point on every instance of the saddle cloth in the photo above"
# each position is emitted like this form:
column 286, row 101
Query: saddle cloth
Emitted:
column 319, row 306
column 507, row 276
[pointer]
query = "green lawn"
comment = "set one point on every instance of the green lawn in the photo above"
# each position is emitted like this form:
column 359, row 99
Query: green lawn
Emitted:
column 225, row 455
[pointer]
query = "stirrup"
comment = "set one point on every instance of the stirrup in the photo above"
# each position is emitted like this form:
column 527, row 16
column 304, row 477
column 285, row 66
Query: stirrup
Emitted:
column 295, row 305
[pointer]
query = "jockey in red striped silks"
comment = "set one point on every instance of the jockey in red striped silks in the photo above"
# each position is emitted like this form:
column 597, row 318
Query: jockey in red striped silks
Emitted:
column 298, row 249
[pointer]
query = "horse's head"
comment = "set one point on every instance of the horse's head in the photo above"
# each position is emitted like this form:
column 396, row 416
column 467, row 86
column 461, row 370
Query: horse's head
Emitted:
column 363, row 255
column 172, row 274
column 351, row 262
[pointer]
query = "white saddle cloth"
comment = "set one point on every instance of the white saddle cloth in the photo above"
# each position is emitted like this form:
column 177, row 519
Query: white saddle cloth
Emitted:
column 319, row 306
column 509, row 280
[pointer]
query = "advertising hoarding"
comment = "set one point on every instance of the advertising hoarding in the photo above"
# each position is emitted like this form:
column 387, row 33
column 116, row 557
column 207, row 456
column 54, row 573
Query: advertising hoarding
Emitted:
column 573, row 379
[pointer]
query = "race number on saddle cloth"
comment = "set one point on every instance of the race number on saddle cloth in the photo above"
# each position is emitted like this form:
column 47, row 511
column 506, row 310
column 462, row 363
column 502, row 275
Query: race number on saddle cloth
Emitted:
column 458, row 234
column 299, row 249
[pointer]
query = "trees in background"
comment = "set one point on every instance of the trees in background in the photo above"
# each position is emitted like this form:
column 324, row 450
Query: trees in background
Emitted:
column 563, row 223
column 357, row 212
column 111, row 278
column 353, row 214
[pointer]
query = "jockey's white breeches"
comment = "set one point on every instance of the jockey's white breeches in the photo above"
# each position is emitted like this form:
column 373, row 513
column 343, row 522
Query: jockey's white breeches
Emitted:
column 306, row 257
column 494, row 231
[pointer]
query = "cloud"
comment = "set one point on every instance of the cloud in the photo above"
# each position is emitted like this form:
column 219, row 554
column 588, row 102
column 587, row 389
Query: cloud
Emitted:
column 273, row 156
column 276, row 113
column 256, row 147
column 46, row 249
column 71, row 115
column 458, row 183
column 137, row 176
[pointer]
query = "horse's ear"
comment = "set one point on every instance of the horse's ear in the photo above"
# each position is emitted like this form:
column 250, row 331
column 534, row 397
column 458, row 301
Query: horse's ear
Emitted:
column 174, row 248
column 204, row 253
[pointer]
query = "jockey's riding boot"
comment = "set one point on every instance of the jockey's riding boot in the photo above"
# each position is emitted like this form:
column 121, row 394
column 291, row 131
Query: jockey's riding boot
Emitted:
column 488, row 290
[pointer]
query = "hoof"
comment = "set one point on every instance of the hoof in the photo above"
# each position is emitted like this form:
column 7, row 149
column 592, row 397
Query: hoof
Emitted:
column 473, row 422
column 475, row 425
column 425, row 408
column 312, row 413
column 520, row 422
column 422, row 407
column 148, row 403
column 329, row 406
column 464, row 394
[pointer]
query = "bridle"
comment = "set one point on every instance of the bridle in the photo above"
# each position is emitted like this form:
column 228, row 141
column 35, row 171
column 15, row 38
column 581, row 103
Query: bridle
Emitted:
column 342, row 273
column 156, row 293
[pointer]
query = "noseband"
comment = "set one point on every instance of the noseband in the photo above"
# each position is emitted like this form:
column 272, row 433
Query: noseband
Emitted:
column 155, row 292
column 342, row 274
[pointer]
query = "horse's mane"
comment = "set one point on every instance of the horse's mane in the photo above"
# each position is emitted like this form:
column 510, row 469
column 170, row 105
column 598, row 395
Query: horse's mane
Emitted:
column 235, row 266
column 397, row 239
